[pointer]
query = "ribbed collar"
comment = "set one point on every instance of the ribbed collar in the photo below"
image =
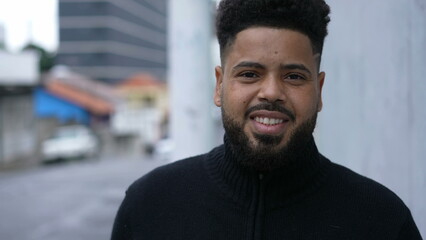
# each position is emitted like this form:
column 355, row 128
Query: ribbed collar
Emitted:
column 281, row 186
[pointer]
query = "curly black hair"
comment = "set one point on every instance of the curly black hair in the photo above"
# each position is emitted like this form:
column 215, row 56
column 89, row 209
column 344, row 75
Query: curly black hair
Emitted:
column 309, row 17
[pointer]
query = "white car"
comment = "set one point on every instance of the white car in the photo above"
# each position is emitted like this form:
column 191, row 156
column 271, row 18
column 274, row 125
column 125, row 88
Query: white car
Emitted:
column 70, row 142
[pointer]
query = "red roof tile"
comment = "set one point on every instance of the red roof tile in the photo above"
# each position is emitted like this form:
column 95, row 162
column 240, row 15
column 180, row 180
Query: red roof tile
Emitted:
column 141, row 80
column 80, row 97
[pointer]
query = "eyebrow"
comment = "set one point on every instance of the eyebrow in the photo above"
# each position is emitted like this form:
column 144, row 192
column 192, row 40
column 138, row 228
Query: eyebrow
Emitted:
column 295, row 66
column 291, row 66
column 246, row 64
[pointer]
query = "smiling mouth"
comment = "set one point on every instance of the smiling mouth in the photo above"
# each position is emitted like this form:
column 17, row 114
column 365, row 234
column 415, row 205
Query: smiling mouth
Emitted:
column 269, row 121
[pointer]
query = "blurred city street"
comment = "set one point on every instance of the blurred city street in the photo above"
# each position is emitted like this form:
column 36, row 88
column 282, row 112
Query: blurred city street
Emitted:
column 136, row 78
column 69, row 200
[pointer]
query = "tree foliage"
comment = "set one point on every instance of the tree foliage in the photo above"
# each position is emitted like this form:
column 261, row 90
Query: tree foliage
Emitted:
column 46, row 59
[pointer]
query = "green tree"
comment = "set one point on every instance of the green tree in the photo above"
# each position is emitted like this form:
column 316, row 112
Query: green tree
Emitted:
column 46, row 59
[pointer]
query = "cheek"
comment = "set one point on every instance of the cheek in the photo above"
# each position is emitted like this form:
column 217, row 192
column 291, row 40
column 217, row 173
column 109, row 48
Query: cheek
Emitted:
column 235, row 102
column 305, row 104
column 238, row 96
column 244, row 93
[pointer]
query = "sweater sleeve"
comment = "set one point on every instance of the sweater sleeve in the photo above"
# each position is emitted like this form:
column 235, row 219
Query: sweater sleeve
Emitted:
column 121, row 228
column 409, row 230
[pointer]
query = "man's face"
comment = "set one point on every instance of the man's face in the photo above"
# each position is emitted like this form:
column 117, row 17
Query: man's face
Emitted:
column 269, row 86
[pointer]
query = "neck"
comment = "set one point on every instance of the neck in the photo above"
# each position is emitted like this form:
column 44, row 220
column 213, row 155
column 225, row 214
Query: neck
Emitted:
column 305, row 170
column 296, row 153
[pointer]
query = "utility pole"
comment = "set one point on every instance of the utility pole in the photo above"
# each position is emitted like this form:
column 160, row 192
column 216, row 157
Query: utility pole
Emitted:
column 1, row 130
column 191, row 76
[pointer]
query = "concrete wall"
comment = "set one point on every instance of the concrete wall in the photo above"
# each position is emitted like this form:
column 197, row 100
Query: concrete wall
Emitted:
column 18, row 143
column 374, row 116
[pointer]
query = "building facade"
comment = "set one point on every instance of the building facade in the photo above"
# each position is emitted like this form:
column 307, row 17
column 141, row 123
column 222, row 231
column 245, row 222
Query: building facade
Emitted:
column 110, row 40
column 18, row 137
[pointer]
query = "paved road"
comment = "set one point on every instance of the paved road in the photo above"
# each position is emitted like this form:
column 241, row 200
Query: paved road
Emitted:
column 68, row 201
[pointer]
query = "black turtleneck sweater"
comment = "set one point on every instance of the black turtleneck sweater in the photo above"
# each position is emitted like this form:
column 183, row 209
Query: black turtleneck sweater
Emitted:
column 212, row 197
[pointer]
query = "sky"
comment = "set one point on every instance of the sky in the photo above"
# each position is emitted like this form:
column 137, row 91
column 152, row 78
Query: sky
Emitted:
column 23, row 20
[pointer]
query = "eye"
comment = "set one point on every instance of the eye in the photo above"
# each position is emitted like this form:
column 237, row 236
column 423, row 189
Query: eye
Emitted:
column 248, row 75
column 294, row 76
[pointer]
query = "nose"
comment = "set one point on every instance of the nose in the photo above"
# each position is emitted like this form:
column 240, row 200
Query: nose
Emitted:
column 271, row 90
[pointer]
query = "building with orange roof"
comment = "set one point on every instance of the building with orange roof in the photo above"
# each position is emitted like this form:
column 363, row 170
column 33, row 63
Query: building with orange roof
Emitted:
column 71, row 97
column 145, row 111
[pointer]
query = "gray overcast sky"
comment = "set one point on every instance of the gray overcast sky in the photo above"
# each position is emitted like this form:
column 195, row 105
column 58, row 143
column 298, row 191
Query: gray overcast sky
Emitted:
column 25, row 19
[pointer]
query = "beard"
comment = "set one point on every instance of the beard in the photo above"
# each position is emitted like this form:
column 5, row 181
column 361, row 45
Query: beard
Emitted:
column 265, row 155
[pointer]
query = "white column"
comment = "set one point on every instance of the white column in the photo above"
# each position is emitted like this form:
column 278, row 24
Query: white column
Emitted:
column 190, row 77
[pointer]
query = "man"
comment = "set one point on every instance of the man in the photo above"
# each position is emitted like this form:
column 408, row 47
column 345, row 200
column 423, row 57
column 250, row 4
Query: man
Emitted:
column 268, row 180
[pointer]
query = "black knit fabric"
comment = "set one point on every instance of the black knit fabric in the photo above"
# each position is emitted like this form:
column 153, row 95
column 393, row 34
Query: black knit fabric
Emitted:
column 211, row 197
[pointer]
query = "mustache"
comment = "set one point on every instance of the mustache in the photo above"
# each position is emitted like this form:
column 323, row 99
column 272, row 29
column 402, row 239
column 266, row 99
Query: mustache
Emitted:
column 274, row 106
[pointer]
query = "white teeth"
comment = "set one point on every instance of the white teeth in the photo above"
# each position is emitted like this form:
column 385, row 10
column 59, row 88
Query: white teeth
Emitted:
column 268, row 121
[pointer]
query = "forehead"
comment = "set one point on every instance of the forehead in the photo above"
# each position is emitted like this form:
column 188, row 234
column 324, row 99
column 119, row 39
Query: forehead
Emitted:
column 270, row 44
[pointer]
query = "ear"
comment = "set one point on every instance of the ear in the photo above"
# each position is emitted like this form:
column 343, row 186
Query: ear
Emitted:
column 218, row 88
column 321, row 78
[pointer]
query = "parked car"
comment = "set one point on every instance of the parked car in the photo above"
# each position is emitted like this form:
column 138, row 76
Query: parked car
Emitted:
column 70, row 142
